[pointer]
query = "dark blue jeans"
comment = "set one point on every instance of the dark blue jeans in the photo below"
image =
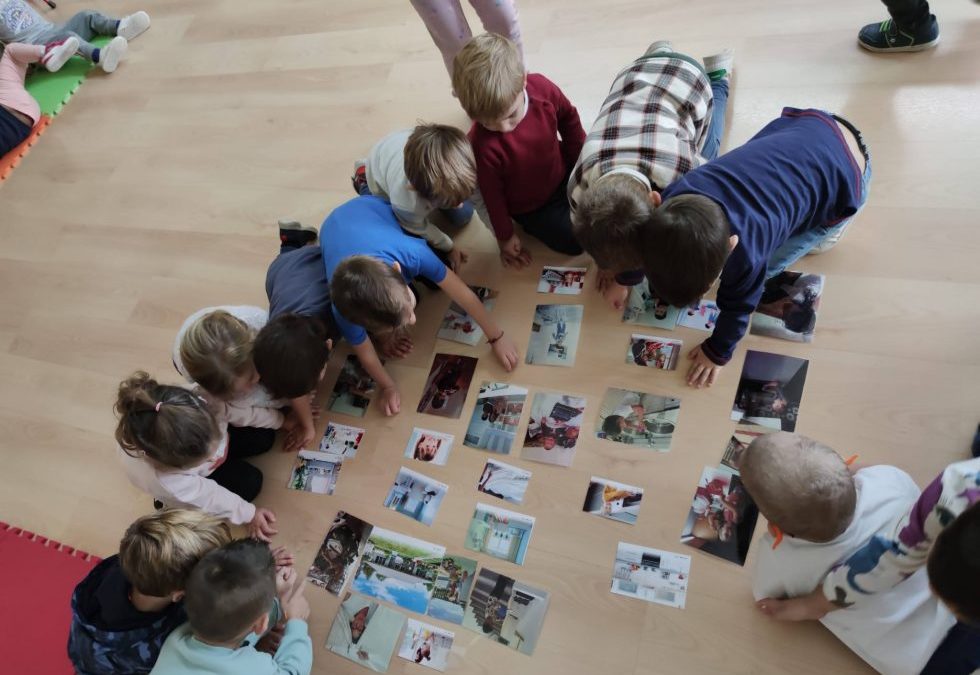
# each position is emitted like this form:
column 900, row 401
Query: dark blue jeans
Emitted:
column 957, row 654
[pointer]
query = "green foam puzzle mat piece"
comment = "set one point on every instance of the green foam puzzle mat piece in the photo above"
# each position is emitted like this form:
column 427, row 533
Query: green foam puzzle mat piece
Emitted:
column 52, row 90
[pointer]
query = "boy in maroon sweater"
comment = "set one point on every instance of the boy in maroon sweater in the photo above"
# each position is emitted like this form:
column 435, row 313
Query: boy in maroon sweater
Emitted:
column 521, row 164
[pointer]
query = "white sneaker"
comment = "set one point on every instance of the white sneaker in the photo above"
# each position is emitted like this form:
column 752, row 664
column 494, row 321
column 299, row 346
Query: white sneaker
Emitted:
column 722, row 61
column 56, row 54
column 112, row 53
column 133, row 25
column 665, row 46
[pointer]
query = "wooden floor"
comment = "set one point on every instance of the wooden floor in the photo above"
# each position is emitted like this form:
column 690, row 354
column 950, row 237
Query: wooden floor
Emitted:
column 155, row 192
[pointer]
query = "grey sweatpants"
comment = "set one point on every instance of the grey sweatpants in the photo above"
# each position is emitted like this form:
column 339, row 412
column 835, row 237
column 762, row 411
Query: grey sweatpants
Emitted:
column 85, row 26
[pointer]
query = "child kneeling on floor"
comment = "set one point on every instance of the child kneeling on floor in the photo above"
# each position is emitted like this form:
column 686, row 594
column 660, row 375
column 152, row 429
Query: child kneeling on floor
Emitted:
column 819, row 514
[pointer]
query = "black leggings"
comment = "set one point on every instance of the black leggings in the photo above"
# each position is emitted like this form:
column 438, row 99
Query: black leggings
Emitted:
column 237, row 475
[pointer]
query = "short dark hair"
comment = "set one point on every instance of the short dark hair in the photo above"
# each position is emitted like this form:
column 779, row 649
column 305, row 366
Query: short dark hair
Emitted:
column 230, row 589
column 289, row 353
column 369, row 292
column 684, row 247
column 610, row 425
column 608, row 219
column 954, row 565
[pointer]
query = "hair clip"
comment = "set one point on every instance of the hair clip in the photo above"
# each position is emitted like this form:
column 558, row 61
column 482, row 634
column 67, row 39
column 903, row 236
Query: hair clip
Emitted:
column 850, row 460
column 157, row 406
column 777, row 535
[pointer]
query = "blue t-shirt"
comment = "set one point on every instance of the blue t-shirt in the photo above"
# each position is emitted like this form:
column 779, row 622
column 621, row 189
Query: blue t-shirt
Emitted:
column 366, row 225
column 796, row 174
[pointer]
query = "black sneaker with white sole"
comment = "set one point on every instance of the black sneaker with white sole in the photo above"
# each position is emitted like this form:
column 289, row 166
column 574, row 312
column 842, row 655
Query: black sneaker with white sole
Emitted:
column 888, row 36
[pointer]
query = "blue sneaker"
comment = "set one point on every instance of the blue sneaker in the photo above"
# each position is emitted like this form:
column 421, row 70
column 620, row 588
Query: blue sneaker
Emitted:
column 887, row 36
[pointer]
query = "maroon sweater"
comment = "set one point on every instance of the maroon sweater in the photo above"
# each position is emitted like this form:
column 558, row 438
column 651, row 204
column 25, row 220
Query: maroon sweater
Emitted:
column 518, row 171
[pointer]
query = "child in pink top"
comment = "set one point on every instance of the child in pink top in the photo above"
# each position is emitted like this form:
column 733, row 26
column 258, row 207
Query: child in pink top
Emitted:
column 450, row 31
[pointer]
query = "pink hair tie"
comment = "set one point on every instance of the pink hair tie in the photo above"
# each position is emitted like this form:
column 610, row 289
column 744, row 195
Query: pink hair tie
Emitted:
column 157, row 406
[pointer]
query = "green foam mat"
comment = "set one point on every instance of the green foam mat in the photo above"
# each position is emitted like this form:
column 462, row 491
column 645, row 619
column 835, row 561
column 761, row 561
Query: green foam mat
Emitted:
column 52, row 90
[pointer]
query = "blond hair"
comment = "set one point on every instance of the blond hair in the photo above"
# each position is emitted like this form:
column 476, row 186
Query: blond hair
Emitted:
column 158, row 551
column 217, row 352
column 799, row 485
column 610, row 216
column 439, row 164
column 488, row 75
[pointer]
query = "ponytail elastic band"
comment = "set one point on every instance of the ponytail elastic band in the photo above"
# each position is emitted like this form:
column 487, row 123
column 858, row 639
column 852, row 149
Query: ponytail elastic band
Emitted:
column 157, row 406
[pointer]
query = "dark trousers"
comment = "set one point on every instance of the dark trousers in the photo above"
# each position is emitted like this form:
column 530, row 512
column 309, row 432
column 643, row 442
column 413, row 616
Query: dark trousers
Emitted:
column 13, row 131
column 957, row 654
column 909, row 14
column 552, row 223
column 236, row 474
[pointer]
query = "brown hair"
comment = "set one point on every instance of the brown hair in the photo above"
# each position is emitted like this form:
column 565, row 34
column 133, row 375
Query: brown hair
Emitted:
column 170, row 425
column 158, row 551
column 439, row 164
column 800, row 485
column 954, row 564
column 217, row 352
column 369, row 292
column 289, row 353
column 488, row 75
column 608, row 219
column 684, row 247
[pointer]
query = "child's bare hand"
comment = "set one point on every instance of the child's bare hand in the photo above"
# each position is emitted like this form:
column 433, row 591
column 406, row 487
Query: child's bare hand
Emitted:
column 811, row 607
column 263, row 525
column 398, row 346
column 390, row 400
column 615, row 294
column 269, row 643
column 602, row 280
column 457, row 257
column 512, row 253
column 282, row 557
column 506, row 352
column 297, row 606
column 298, row 439
column 704, row 371
column 285, row 581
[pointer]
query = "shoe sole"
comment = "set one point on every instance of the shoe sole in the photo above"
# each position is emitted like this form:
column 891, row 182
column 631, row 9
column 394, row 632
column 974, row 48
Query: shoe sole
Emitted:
column 912, row 48
column 130, row 34
column 53, row 65
column 112, row 54
column 293, row 226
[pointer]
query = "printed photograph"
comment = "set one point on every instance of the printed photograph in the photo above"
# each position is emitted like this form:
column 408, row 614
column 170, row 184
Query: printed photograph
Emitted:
column 651, row 574
column 341, row 439
column 646, row 310
column 353, row 391
column 770, row 390
column 562, row 280
column 426, row 445
column 654, row 352
column 789, row 305
column 445, row 389
column 525, row 618
column 504, row 481
column 315, row 472
column 700, row 316
column 496, row 417
column 338, row 554
column 458, row 326
column 722, row 516
column 399, row 569
column 741, row 437
column 426, row 645
column 636, row 418
column 499, row 533
column 612, row 500
column 486, row 610
column 554, row 335
column 454, row 579
column 365, row 632
column 416, row 496
column 553, row 428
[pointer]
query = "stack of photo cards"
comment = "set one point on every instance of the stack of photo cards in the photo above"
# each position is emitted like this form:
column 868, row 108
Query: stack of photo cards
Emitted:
column 496, row 417
column 315, row 472
column 445, row 388
column 458, row 326
column 788, row 308
column 646, row 310
column 722, row 516
column 426, row 445
column 506, row 611
column 504, row 481
column 353, row 391
column 339, row 552
column 553, row 429
column 701, row 315
column 399, row 569
column 454, row 579
column 499, row 533
column 770, row 390
column 341, row 439
column 416, row 496
column 651, row 574
column 365, row 632
column 653, row 351
column 636, row 418
column 554, row 335
column 562, row 280
column 426, row 645
column 612, row 500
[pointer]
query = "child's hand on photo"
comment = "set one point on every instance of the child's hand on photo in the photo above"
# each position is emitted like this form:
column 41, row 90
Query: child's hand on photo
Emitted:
column 615, row 294
column 704, row 371
column 262, row 526
column 457, row 257
column 506, row 352
column 390, row 400
column 282, row 557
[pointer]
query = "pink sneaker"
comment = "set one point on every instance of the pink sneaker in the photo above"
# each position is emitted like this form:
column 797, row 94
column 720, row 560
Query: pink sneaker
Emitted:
column 56, row 54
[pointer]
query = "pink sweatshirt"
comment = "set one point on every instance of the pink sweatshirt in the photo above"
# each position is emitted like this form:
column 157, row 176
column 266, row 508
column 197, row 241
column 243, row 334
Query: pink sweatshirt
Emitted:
column 191, row 487
column 13, row 67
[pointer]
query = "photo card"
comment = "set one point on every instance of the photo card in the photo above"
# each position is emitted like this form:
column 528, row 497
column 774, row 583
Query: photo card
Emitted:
column 341, row 439
column 741, row 437
column 612, row 500
column 562, row 280
column 499, row 533
column 416, row 496
column 315, row 472
column 504, row 481
column 353, row 391
column 770, row 390
column 525, row 618
column 426, row 445
column 637, row 418
column 486, row 609
column 496, row 416
column 644, row 309
column 651, row 574
column 454, row 579
column 653, row 351
column 446, row 387
column 365, row 632
column 722, row 516
column 700, row 315
column 337, row 556
column 399, row 569
column 458, row 326
column 426, row 645
column 553, row 428
column 554, row 335
column 789, row 305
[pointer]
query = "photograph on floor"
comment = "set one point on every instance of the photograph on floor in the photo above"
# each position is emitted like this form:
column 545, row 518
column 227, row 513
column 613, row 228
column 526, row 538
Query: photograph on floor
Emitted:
column 337, row 557
column 788, row 308
column 446, row 387
column 700, row 315
column 646, row 310
column 454, row 578
column 426, row 645
column 315, row 472
column 499, row 533
column 365, row 632
column 341, row 439
column 554, row 335
column 770, row 390
column 637, row 418
column 496, row 416
column 399, row 569
column 416, row 496
column 651, row 574
column 426, row 445
column 653, row 351
column 741, row 437
column 612, row 500
column 722, row 516
column 504, row 481
column 553, row 428
column 486, row 609
column 353, row 391
column 525, row 618
column 562, row 280
column 458, row 326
